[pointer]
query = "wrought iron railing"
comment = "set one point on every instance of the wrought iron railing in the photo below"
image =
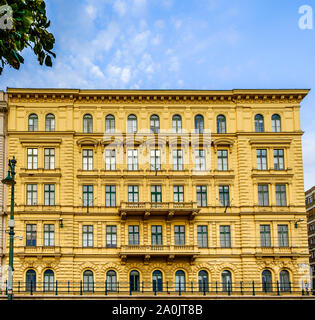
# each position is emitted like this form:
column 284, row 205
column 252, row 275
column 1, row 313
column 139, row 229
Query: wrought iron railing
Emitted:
column 156, row 288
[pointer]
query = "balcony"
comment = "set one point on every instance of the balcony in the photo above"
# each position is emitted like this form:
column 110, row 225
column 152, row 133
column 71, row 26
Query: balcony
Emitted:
column 167, row 209
column 38, row 251
column 148, row 251
column 276, row 251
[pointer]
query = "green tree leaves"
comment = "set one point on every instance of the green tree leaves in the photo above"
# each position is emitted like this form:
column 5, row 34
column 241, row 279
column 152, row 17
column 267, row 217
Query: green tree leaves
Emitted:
column 29, row 29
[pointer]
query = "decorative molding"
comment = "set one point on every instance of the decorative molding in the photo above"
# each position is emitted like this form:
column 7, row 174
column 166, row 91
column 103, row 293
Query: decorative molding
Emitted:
column 228, row 97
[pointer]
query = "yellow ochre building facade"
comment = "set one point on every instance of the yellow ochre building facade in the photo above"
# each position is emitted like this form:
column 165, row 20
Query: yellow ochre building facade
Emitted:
column 145, row 191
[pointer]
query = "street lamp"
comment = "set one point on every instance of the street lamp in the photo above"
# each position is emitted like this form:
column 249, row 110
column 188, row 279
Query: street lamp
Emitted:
column 9, row 180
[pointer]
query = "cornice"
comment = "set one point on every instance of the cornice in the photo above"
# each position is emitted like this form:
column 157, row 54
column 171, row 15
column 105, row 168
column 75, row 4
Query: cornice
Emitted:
column 76, row 96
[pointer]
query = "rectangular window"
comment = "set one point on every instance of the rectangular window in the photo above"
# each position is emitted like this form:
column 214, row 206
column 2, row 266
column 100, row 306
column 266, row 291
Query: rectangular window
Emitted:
column 133, row 235
column 261, row 159
column 111, row 236
column 32, row 158
column 202, row 236
column 224, row 196
column 200, row 160
column 49, row 194
column 87, row 196
column 31, row 194
column 87, row 159
column 155, row 159
column 265, row 238
column 179, row 232
column 201, row 196
column 110, row 196
column 49, row 158
column 156, row 235
column 225, row 237
column 87, row 233
column 283, row 235
column 278, row 159
column 156, row 194
column 222, row 160
column 31, row 235
column 178, row 193
column 49, row 235
column 132, row 159
column 110, row 159
column 263, row 195
column 133, row 194
column 177, row 159
column 281, row 198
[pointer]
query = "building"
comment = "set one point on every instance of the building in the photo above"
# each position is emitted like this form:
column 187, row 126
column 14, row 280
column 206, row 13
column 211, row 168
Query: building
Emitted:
column 152, row 190
column 3, row 124
column 310, row 211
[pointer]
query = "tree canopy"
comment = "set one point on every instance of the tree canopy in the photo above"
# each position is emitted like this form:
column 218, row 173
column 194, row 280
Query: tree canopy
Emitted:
column 23, row 23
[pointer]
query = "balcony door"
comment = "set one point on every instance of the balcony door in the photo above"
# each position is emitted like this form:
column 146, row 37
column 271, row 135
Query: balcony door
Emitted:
column 134, row 280
column 157, row 281
column 180, row 280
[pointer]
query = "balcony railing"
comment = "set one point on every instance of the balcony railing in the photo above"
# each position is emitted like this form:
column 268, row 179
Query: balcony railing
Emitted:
column 38, row 250
column 156, row 288
column 159, row 249
column 155, row 205
column 159, row 208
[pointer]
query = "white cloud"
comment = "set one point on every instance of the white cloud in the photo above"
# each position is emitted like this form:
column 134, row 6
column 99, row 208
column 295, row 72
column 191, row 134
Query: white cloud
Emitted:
column 140, row 41
column 167, row 3
column 174, row 64
column 139, row 6
column 178, row 24
column 105, row 38
column 120, row 7
column 160, row 24
column 125, row 75
column 156, row 40
column 91, row 11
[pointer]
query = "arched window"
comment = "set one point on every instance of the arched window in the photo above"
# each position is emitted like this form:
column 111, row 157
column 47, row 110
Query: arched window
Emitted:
column 111, row 280
column 110, row 123
column 132, row 124
column 285, row 285
column 221, row 124
column 48, row 280
column 276, row 123
column 266, row 280
column 177, row 123
column 33, row 122
column 87, row 123
column 134, row 280
column 226, row 281
column 199, row 123
column 154, row 124
column 30, row 280
column 88, row 281
column 180, row 280
column 259, row 123
column 50, row 122
column 203, row 280
column 157, row 281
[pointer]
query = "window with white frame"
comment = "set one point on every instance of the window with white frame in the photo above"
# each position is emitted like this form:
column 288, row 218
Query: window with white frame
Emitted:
column 110, row 159
column 132, row 155
column 32, row 158
column 177, row 159
column 200, row 160
column 155, row 159
column 87, row 159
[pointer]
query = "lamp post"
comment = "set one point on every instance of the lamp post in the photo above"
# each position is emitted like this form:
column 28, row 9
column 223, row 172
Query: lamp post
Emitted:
column 9, row 180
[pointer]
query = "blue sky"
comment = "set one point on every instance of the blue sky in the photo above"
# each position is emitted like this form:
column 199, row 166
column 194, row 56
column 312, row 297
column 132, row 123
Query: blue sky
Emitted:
column 179, row 44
